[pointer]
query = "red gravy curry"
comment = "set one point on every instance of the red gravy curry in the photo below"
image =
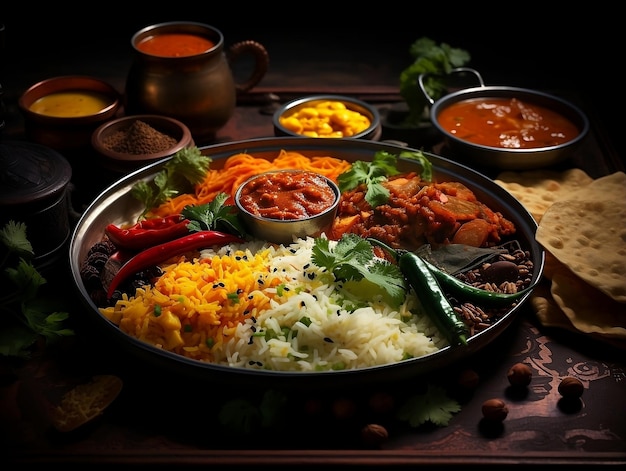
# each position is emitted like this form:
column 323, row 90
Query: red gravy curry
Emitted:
column 287, row 195
column 175, row 45
column 507, row 123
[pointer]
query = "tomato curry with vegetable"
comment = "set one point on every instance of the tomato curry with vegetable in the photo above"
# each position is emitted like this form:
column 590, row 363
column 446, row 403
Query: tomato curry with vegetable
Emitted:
column 506, row 123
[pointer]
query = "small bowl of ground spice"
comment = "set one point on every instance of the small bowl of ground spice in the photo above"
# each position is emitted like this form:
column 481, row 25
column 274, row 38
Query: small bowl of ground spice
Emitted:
column 133, row 141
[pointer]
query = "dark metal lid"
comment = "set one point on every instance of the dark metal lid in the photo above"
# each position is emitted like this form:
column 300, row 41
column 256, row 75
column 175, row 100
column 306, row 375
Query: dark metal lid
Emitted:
column 31, row 174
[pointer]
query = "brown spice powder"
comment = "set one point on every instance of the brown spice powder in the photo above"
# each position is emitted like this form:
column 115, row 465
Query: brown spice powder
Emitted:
column 139, row 138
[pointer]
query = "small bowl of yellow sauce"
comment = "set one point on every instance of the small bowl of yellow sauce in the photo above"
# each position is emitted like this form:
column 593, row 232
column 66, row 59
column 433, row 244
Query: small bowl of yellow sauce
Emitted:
column 62, row 112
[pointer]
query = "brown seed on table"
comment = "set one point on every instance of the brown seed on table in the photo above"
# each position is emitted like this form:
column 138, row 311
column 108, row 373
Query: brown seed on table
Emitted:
column 313, row 407
column 468, row 379
column 520, row 374
column 495, row 410
column 571, row 387
column 381, row 403
column 374, row 434
column 344, row 408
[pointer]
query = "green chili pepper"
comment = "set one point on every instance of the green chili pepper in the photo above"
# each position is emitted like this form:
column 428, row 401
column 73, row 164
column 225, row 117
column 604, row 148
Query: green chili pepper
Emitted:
column 430, row 294
column 486, row 297
column 435, row 302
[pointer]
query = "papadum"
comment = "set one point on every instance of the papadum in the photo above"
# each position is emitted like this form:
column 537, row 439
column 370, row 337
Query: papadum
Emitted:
column 537, row 190
column 587, row 233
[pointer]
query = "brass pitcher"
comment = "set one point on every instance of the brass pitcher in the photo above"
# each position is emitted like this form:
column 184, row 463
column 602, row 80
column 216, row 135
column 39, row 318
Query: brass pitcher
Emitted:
column 197, row 89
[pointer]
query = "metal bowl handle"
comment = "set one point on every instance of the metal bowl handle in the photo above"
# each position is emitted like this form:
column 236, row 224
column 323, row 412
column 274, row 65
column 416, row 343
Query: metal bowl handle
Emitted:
column 431, row 100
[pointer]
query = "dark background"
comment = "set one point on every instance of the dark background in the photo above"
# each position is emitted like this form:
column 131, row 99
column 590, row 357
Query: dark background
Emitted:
column 515, row 44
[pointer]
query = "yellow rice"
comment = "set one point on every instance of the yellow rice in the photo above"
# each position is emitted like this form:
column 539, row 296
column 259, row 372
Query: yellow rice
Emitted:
column 257, row 305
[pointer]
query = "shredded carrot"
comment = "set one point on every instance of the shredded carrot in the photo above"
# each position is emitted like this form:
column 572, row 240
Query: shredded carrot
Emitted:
column 239, row 167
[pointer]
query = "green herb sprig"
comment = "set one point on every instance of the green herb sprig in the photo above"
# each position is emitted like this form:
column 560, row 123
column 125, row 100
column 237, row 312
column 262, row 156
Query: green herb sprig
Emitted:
column 215, row 215
column 373, row 174
column 434, row 406
column 437, row 60
column 185, row 169
column 352, row 260
column 22, row 301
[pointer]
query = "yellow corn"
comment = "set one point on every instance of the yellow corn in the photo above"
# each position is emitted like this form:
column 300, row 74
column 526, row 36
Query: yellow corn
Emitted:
column 326, row 119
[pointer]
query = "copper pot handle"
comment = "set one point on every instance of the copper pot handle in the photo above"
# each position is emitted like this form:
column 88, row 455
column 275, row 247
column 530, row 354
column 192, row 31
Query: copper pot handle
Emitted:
column 261, row 62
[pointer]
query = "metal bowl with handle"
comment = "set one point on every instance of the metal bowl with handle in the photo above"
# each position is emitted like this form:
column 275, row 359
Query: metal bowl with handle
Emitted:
column 506, row 158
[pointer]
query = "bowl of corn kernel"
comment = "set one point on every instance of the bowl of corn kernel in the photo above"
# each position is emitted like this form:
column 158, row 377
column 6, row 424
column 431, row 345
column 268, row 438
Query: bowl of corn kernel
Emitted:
column 328, row 116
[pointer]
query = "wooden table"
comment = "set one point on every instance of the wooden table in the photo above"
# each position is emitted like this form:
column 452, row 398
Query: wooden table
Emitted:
column 162, row 418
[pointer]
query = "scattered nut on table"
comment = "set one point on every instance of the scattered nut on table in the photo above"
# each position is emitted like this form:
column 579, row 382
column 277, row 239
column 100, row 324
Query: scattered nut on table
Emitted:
column 374, row 434
column 468, row 379
column 571, row 387
column 520, row 374
column 495, row 410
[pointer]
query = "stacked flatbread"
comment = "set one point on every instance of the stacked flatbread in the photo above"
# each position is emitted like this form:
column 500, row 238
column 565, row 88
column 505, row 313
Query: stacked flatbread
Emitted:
column 582, row 226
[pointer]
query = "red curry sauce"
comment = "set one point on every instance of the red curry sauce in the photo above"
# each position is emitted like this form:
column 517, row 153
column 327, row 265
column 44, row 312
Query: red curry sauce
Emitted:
column 175, row 45
column 287, row 195
column 507, row 123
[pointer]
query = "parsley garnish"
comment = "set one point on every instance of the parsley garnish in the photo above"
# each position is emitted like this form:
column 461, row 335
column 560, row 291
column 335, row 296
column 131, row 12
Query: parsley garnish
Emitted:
column 352, row 260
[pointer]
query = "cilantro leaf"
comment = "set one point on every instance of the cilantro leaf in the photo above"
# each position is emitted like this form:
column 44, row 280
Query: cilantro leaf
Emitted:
column 188, row 164
column 213, row 216
column 352, row 260
column 271, row 407
column 13, row 236
column 426, row 173
column 435, row 60
column 371, row 174
column 239, row 416
column 26, row 279
column 30, row 310
column 385, row 274
column 15, row 341
column 346, row 261
column 50, row 326
column 244, row 416
column 185, row 169
column 433, row 406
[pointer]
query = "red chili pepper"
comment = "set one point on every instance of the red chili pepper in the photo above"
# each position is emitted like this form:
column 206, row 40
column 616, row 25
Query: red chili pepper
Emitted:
column 149, row 232
column 159, row 223
column 158, row 253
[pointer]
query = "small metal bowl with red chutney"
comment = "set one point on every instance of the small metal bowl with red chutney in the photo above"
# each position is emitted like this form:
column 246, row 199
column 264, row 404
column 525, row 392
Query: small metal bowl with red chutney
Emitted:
column 281, row 205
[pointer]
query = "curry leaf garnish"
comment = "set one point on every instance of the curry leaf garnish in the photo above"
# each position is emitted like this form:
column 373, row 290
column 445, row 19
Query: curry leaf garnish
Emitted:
column 352, row 260
column 214, row 215
column 185, row 169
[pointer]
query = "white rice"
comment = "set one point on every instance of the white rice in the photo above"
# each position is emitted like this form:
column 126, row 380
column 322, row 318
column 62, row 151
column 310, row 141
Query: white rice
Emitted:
column 333, row 337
